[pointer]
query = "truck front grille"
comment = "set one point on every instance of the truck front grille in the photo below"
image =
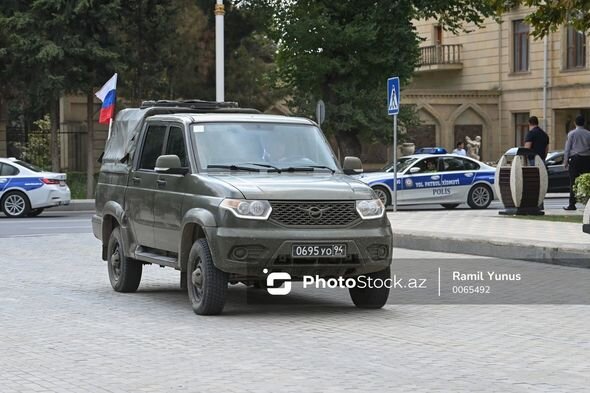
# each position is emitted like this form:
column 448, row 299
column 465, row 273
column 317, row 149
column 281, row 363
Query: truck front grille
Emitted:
column 314, row 214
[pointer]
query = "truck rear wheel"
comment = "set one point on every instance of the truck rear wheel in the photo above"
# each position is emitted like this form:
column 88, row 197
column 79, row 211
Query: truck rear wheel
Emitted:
column 207, row 285
column 374, row 297
column 124, row 272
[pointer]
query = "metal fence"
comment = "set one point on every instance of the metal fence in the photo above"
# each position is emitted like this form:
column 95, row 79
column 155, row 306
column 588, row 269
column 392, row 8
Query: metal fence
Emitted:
column 35, row 147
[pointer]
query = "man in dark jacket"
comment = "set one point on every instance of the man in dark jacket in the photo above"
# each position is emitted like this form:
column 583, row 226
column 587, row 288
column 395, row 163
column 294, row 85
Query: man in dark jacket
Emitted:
column 537, row 139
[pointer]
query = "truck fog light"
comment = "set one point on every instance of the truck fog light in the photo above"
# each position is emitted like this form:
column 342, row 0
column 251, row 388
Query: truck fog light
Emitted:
column 240, row 253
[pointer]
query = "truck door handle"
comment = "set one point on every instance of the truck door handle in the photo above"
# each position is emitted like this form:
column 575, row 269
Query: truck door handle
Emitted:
column 161, row 183
column 435, row 177
column 136, row 180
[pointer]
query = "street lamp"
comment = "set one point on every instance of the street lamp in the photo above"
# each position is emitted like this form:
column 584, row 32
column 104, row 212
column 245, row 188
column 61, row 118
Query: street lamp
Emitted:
column 219, row 55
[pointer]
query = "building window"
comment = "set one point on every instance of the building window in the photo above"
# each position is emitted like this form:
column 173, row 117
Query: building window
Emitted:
column 438, row 35
column 521, row 46
column 521, row 127
column 576, row 48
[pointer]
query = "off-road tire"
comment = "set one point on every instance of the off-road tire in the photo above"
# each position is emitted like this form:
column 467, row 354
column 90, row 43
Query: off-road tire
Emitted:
column 371, row 297
column 15, row 204
column 207, row 285
column 124, row 272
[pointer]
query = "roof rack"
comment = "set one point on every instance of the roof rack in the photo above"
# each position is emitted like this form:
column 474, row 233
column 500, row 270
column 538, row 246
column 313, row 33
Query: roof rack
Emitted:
column 191, row 104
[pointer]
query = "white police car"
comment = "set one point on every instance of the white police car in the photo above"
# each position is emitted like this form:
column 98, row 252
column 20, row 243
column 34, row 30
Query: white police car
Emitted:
column 26, row 190
column 439, row 178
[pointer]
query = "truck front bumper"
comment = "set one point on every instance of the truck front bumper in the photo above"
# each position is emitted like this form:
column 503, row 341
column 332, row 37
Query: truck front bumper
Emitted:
column 249, row 251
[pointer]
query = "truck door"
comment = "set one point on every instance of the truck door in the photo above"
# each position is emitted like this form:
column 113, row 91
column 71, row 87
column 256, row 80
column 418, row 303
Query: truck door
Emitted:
column 139, row 198
column 169, row 195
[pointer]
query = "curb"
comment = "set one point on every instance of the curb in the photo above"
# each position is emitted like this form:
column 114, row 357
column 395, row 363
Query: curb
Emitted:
column 495, row 249
column 76, row 205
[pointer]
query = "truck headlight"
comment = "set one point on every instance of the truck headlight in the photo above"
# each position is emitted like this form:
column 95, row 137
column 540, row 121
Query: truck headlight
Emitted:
column 370, row 209
column 252, row 210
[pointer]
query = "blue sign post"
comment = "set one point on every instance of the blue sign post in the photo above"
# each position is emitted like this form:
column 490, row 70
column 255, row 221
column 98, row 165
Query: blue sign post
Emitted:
column 393, row 102
column 393, row 96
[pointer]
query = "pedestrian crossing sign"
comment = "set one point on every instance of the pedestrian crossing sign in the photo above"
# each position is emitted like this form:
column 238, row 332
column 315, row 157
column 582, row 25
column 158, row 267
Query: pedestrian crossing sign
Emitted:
column 393, row 96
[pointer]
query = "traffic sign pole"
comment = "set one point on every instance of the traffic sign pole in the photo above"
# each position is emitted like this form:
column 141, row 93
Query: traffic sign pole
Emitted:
column 393, row 104
column 395, row 163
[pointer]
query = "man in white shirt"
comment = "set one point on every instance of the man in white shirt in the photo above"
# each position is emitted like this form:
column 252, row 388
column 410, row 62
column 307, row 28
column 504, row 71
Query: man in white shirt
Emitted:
column 460, row 150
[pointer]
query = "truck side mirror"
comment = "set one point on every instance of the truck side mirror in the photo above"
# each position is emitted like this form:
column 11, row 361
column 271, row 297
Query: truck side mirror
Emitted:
column 170, row 164
column 352, row 166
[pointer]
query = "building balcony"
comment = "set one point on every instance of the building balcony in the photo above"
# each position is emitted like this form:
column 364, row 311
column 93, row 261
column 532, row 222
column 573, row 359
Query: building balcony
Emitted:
column 440, row 58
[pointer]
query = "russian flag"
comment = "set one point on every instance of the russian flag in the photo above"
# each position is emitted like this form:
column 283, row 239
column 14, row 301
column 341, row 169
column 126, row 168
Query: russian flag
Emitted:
column 108, row 95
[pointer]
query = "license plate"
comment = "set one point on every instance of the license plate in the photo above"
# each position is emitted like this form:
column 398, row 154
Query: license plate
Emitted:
column 318, row 250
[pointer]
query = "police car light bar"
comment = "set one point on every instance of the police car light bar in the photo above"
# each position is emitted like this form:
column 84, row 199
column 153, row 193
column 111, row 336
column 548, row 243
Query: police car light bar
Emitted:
column 431, row 150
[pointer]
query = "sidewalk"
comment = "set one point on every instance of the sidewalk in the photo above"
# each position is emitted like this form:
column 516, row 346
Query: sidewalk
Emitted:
column 76, row 205
column 486, row 233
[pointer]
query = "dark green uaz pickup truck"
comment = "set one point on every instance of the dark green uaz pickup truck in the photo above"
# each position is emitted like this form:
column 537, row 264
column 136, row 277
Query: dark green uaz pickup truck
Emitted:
column 228, row 195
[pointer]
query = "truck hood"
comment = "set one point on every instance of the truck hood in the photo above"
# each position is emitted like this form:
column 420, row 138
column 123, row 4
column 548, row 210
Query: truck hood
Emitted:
column 298, row 186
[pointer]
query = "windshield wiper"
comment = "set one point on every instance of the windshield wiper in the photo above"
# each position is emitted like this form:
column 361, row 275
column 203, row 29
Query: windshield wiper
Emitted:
column 233, row 168
column 322, row 167
column 265, row 166
column 297, row 169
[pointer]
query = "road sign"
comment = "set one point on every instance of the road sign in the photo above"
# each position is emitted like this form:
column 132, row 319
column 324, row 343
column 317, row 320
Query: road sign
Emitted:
column 393, row 101
column 393, row 98
column 320, row 112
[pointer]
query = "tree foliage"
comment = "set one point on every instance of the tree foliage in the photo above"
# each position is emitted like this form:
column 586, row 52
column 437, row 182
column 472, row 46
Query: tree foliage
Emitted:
column 548, row 16
column 343, row 52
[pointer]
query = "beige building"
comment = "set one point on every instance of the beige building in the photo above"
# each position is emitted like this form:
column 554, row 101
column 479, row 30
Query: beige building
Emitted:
column 487, row 82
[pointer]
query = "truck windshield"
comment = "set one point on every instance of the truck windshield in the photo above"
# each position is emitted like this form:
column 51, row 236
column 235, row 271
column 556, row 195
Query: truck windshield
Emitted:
column 263, row 145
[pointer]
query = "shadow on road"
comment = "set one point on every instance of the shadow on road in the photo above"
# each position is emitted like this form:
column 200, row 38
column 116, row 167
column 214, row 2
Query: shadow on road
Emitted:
column 245, row 301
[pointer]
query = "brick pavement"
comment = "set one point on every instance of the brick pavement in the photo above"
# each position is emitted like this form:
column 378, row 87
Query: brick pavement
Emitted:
column 62, row 329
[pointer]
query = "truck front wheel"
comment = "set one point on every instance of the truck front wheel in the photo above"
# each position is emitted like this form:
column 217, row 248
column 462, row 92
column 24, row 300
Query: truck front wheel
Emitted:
column 124, row 272
column 374, row 296
column 207, row 285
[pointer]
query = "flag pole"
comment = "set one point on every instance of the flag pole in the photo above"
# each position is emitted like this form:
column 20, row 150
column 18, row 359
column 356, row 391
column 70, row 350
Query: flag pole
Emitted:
column 110, row 128
column 219, row 52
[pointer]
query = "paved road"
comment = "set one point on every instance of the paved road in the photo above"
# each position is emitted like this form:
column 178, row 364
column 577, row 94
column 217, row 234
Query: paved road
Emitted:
column 62, row 329
column 48, row 223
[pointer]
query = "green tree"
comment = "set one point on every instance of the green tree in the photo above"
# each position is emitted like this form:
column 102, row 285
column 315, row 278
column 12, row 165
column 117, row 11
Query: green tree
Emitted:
column 548, row 16
column 343, row 52
column 58, row 46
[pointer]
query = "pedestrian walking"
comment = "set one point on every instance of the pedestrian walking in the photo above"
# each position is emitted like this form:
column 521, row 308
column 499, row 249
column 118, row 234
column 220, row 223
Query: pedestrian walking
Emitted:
column 460, row 150
column 538, row 141
column 576, row 157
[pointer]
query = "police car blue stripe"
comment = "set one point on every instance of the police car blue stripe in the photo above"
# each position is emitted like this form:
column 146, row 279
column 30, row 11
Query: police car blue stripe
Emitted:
column 24, row 183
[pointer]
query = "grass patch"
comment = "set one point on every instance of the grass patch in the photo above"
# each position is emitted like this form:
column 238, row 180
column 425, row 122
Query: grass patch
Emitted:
column 577, row 219
column 77, row 183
